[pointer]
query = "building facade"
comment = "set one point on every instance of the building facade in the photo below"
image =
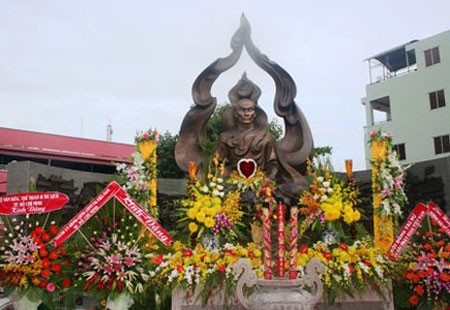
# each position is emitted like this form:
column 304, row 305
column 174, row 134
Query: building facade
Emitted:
column 409, row 96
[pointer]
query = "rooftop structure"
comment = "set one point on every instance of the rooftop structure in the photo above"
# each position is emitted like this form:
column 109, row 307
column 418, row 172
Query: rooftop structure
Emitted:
column 406, row 95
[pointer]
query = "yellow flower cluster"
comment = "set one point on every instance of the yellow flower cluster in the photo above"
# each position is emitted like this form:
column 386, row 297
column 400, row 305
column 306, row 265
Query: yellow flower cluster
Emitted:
column 188, row 267
column 20, row 275
column 336, row 205
column 203, row 211
column 208, row 207
column 347, row 266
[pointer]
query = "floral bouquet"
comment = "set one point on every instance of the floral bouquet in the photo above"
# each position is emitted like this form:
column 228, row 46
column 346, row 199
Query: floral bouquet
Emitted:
column 139, row 178
column 203, row 266
column 209, row 210
column 328, row 202
column 348, row 268
column 390, row 175
column 29, row 264
column 427, row 269
column 111, row 254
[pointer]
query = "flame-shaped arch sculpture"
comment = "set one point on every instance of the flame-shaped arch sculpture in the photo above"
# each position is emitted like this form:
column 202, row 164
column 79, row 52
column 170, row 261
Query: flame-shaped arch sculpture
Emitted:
column 291, row 152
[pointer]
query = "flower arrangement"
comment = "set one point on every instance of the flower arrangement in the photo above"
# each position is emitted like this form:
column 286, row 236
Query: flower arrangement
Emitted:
column 389, row 179
column 149, row 135
column 139, row 178
column 329, row 200
column 427, row 268
column 209, row 210
column 202, row 266
column 29, row 264
column 348, row 268
column 111, row 253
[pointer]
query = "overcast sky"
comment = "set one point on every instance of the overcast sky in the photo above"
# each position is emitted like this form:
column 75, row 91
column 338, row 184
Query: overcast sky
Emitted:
column 70, row 67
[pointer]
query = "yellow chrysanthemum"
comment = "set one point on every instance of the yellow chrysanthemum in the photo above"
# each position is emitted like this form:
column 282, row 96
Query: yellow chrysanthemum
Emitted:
column 209, row 222
column 331, row 214
column 201, row 217
column 192, row 213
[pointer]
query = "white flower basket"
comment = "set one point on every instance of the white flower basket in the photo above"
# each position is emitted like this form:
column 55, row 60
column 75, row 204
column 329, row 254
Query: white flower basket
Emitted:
column 122, row 302
column 22, row 302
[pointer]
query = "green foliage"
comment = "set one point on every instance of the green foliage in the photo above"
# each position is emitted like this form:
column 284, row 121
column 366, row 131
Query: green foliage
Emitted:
column 166, row 164
column 322, row 151
column 214, row 126
column 275, row 129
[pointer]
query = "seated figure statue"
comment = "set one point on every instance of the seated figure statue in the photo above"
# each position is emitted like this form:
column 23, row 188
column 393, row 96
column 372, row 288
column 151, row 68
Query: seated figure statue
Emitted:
column 246, row 134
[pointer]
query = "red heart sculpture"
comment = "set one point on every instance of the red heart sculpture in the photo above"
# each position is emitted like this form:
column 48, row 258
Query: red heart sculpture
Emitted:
column 246, row 167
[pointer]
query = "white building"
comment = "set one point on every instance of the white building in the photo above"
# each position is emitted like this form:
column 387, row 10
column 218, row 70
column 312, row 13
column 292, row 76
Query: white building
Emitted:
column 409, row 96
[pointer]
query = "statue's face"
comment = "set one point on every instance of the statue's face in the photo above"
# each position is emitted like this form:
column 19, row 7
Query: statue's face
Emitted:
column 245, row 111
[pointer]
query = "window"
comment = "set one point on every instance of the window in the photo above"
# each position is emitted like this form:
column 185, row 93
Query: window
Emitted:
column 442, row 144
column 437, row 99
column 432, row 56
column 400, row 149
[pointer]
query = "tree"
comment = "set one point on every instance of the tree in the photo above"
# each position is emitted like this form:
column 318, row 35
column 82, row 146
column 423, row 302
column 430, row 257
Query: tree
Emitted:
column 166, row 164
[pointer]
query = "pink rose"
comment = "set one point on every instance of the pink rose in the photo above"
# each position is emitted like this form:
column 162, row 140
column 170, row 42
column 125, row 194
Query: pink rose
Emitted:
column 51, row 287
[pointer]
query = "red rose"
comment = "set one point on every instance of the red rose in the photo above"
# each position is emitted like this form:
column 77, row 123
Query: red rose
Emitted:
column 413, row 300
column 42, row 284
column 66, row 282
column 39, row 230
column 62, row 251
column 56, row 267
column 46, row 237
column 428, row 246
column 45, row 263
column 43, row 252
column 53, row 229
column 53, row 255
column 45, row 273
column 419, row 290
column 445, row 277
column 421, row 274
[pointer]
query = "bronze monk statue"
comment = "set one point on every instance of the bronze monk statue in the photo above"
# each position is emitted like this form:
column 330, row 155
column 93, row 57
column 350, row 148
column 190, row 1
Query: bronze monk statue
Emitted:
column 246, row 135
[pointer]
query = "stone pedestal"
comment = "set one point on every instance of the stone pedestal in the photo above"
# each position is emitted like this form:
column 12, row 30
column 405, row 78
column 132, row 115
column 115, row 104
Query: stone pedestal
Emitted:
column 280, row 294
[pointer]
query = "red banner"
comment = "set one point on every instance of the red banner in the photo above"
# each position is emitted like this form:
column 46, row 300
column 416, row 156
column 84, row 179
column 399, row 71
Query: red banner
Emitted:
column 439, row 216
column 86, row 213
column 32, row 203
column 149, row 222
column 409, row 228
column 413, row 222
column 112, row 190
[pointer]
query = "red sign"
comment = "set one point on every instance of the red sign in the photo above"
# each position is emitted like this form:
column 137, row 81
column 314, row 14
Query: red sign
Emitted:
column 149, row 222
column 86, row 213
column 439, row 216
column 413, row 222
column 32, row 203
column 112, row 190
